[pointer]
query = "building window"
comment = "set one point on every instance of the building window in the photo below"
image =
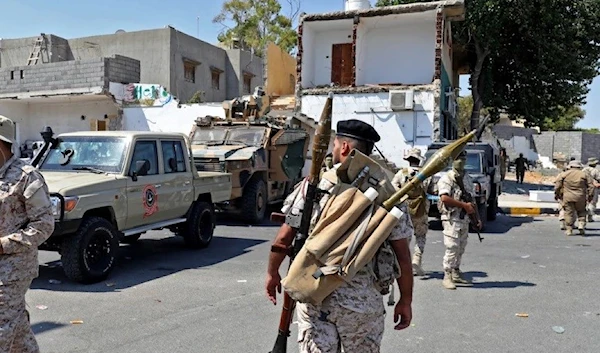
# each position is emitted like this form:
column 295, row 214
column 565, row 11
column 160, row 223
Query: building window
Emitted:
column 216, row 77
column 248, row 82
column 189, row 70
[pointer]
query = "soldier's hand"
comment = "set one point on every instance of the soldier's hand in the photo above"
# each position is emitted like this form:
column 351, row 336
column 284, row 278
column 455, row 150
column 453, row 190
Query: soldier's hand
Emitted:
column 469, row 208
column 479, row 225
column 402, row 315
column 272, row 284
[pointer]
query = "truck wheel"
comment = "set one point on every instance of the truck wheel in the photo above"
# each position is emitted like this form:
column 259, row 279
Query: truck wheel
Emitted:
column 492, row 210
column 90, row 254
column 199, row 228
column 254, row 201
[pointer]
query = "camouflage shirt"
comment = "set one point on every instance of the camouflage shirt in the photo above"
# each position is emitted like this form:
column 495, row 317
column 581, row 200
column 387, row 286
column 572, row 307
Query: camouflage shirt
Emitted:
column 593, row 172
column 447, row 186
column 360, row 294
column 27, row 219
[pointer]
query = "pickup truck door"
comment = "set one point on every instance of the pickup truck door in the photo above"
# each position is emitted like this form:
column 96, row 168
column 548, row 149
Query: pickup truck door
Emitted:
column 177, row 178
column 145, row 195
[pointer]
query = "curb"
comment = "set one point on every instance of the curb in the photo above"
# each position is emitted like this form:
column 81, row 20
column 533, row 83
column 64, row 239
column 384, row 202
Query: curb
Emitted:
column 531, row 211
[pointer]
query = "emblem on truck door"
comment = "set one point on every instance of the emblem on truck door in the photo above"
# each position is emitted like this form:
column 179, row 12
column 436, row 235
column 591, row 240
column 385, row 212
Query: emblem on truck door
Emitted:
column 149, row 200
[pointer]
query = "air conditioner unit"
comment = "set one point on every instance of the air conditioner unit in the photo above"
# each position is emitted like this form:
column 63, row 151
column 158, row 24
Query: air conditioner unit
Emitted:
column 402, row 100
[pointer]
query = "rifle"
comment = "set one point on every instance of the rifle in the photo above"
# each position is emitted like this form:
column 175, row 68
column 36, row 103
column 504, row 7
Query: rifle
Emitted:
column 474, row 217
column 319, row 151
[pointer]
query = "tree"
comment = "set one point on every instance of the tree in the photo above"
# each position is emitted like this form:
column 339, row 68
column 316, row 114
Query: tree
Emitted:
column 565, row 120
column 255, row 23
column 528, row 58
column 465, row 108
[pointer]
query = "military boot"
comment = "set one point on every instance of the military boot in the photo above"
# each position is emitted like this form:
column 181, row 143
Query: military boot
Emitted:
column 447, row 282
column 416, row 264
column 569, row 231
column 562, row 225
column 458, row 278
column 590, row 218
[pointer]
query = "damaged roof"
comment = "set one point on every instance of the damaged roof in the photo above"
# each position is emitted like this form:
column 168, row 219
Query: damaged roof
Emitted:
column 453, row 8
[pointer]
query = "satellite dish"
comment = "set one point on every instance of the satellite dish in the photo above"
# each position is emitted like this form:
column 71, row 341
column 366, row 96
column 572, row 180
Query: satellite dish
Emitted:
column 120, row 31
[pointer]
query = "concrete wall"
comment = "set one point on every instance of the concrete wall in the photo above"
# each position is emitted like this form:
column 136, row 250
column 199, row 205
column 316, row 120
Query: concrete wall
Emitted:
column 151, row 48
column 63, row 116
column 241, row 62
column 590, row 146
column 568, row 143
column 281, row 72
column 208, row 56
column 68, row 75
column 399, row 131
column 397, row 49
column 317, row 39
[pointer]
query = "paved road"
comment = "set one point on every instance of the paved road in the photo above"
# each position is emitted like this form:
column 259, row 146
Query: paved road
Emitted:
column 165, row 298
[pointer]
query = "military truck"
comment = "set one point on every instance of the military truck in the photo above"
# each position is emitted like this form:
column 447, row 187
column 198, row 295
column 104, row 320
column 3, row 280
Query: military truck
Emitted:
column 264, row 155
column 483, row 166
column 111, row 186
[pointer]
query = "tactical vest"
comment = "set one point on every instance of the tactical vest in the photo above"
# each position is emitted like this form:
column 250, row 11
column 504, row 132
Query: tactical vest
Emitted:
column 417, row 199
column 350, row 233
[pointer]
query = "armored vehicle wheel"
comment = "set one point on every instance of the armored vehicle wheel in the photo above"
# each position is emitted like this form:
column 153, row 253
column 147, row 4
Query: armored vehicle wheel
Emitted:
column 199, row 228
column 130, row 239
column 254, row 201
column 90, row 254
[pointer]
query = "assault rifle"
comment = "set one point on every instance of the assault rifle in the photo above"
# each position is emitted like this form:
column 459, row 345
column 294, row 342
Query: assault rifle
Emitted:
column 474, row 217
column 319, row 151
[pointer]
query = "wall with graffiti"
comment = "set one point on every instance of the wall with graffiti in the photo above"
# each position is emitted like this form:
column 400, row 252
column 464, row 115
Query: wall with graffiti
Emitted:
column 141, row 94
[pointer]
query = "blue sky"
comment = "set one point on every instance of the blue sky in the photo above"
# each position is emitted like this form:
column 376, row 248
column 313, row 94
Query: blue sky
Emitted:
column 71, row 18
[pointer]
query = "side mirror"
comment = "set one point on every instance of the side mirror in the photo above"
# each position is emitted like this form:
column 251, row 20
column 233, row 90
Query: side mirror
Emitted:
column 141, row 168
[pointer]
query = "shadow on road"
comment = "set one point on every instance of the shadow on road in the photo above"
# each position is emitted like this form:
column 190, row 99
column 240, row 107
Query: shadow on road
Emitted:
column 473, row 275
column 146, row 260
column 233, row 220
column 502, row 225
column 46, row 326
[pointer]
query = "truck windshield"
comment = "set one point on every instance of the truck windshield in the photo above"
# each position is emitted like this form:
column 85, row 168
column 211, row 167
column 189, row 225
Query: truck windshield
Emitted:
column 473, row 165
column 87, row 153
column 203, row 136
column 248, row 136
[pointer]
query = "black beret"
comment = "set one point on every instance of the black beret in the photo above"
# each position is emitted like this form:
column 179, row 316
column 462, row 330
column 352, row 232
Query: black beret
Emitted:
column 357, row 129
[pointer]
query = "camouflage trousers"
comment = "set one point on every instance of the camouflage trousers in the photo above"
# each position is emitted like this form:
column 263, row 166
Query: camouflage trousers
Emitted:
column 328, row 329
column 421, row 226
column 16, row 335
column 455, row 241
column 591, row 207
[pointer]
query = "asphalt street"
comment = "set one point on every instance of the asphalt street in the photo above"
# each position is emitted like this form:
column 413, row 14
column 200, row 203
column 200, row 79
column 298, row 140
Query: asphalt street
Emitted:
column 163, row 297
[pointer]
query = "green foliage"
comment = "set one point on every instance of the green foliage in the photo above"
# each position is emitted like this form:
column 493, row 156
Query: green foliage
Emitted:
column 465, row 108
column 198, row 97
column 255, row 23
column 564, row 120
column 529, row 58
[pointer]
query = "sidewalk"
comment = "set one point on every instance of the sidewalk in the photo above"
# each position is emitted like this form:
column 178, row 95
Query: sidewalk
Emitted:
column 515, row 199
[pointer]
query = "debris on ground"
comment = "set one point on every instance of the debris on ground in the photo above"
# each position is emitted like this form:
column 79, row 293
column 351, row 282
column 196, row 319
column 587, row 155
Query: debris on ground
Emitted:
column 558, row 329
column 76, row 322
column 41, row 307
column 521, row 315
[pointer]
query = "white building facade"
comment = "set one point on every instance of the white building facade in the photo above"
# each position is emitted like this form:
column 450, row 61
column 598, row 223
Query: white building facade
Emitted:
column 391, row 67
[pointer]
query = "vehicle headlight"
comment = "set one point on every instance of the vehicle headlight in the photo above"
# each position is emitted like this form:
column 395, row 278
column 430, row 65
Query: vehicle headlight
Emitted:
column 57, row 205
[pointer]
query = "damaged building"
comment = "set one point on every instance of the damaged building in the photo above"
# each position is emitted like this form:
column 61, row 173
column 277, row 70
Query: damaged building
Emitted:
column 393, row 67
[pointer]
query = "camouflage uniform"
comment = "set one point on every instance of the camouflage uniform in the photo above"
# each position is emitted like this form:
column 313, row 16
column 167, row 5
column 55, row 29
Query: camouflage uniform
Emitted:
column 595, row 174
column 351, row 317
column 420, row 218
column 27, row 222
column 456, row 228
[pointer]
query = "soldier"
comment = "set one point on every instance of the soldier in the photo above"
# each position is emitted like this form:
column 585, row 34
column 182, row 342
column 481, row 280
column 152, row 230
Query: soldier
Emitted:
column 573, row 188
column 352, row 316
column 27, row 222
column 595, row 174
column 454, row 219
column 503, row 158
column 520, row 166
column 418, row 206
column 327, row 164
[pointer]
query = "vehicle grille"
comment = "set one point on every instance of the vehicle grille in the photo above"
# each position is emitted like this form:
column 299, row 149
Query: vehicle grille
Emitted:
column 207, row 164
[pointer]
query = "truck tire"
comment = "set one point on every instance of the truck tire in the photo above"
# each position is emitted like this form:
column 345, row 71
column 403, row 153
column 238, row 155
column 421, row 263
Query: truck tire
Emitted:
column 254, row 201
column 91, row 253
column 200, row 226
column 492, row 210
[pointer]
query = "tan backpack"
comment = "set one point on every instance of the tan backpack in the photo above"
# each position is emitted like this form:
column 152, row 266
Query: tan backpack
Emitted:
column 350, row 232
